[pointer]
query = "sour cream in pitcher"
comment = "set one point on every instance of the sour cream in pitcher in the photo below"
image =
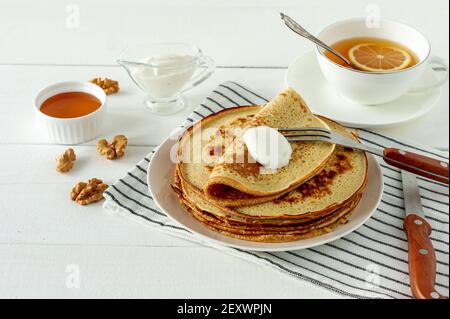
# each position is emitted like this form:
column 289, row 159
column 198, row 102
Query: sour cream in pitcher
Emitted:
column 164, row 75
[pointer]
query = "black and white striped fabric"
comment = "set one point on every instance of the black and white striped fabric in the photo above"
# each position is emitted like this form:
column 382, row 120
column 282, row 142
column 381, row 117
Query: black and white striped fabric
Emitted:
column 371, row 262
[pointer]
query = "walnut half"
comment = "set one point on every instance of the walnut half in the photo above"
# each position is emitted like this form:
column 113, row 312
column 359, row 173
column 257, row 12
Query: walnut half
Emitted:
column 115, row 149
column 108, row 85
column 90, row 192
column 64, row 162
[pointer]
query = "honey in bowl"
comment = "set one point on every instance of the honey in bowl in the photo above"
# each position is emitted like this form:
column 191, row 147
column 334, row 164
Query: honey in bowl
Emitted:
column 374, row 55
column 70, row 105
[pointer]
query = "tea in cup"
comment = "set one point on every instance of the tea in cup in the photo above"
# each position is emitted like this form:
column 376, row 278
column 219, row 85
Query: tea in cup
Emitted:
column 387, row 61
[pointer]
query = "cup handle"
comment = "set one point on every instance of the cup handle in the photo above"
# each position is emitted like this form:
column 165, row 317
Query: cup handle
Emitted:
column 437, row 64
column 209, row 66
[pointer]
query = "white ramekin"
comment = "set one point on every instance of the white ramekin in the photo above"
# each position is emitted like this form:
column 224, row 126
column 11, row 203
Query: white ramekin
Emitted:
column 74, row 130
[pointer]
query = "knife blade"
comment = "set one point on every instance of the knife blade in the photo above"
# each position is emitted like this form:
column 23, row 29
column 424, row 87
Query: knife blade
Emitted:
column 413, row 202
column 421, row 254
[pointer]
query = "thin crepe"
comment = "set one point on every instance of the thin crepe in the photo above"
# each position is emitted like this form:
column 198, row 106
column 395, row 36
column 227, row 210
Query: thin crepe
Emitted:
column 344, row 176
column 327, row 226
column 232, row 177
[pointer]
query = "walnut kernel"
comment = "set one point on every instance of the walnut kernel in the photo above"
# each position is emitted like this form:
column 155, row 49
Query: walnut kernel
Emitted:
column 115, row 149
column 108, row 85
column 64, row 162
column 90, row 192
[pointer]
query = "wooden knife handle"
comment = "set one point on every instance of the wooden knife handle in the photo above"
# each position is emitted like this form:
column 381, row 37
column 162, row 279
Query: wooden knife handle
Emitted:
column 422, row 258
column 417, row 164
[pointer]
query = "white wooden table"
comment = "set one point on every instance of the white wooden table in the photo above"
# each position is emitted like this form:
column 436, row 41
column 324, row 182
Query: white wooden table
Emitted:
column 43, row 235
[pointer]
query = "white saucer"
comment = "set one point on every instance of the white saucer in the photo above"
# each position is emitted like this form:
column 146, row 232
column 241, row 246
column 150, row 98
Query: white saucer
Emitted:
column 160, row 177
column 304, row 75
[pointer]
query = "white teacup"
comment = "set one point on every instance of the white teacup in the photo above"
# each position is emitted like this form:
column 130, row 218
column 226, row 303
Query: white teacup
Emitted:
column 372, row 88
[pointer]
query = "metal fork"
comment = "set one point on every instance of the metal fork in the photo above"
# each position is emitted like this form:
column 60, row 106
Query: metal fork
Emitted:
column 408, row 161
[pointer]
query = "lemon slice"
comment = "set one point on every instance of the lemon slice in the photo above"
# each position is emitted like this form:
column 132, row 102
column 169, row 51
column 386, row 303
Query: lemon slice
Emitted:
column 374, row 58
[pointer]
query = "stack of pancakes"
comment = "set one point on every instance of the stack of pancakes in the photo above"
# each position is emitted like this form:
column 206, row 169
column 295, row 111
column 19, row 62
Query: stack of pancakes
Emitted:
column 226, row 190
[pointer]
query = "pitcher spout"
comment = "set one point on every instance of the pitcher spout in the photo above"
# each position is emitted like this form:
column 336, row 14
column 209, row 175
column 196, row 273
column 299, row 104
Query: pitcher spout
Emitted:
column 125, row 64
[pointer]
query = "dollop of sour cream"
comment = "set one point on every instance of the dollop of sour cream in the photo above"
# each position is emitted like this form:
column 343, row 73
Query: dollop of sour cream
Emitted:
column 268, row 147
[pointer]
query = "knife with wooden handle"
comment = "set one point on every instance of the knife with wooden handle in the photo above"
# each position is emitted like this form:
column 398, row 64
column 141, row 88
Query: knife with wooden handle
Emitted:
column 421, row 254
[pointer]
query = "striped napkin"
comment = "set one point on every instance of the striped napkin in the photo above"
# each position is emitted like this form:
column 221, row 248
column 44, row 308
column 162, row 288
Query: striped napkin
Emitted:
column 371, row 262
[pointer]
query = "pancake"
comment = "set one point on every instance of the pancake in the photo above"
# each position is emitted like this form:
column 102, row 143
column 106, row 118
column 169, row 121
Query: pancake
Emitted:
column 237, row 173
column 188, row 194
column 260, row 236
column 194, row 199
column 208, row 153
column 270, row 233
column 273, row 225
column 307, row 198
column 291, row 229
column 202, row 146
column 343, row 177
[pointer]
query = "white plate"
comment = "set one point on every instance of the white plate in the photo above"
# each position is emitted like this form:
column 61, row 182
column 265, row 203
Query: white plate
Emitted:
column 304, row 75
column 160, row 177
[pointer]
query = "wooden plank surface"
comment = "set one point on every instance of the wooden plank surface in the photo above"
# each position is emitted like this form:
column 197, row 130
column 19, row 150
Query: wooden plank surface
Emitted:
column 43, row 271
column 43, row 235
column 234, row 32
column 127, row 114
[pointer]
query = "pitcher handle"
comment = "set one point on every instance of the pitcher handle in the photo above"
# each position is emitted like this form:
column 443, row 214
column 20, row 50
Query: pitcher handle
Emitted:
column 204, row 62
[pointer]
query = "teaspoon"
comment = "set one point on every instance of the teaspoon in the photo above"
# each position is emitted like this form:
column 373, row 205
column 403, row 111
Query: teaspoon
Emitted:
column 294, row 26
